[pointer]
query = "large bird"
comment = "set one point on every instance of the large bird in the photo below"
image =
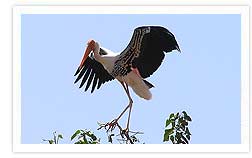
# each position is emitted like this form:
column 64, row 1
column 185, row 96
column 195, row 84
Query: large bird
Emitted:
column 140, row 59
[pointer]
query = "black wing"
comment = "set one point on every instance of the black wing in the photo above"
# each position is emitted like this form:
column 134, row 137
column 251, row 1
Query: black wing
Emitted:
column 92, row 71
column 153, row 43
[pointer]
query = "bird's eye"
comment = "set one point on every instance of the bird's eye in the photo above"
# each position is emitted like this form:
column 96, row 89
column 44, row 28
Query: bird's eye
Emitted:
column 102, row 52
column 92, row 55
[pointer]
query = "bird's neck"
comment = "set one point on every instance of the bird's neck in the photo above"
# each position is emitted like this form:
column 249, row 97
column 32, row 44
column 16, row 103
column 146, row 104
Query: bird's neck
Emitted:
column 96, row 50
column 97, row 56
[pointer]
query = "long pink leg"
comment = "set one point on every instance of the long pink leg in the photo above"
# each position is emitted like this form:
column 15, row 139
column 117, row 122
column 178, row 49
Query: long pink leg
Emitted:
column 126, row 88
column 130, row 106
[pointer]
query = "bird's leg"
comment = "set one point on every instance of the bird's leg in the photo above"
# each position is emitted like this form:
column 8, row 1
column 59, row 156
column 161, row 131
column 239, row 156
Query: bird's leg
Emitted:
column 113, row 123
column 130, row 100
column 130, row 106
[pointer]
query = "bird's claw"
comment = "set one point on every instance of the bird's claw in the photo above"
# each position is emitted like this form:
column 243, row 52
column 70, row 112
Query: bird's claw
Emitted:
column 111, row 125
column 124, row 132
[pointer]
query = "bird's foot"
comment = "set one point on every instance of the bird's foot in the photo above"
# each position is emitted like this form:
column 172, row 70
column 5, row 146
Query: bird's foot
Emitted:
column 125, row 131
column 112, row 125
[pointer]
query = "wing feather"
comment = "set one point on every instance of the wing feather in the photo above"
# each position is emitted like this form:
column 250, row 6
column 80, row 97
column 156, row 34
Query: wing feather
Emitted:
column 94, row 83
column 153, row 44
column 92, row 72
column 85, row 77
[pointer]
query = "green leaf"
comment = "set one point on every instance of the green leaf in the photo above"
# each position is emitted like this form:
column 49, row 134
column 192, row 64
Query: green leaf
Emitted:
column 166, row 137
column 179, row 141
column 94, row 142
column 60, row 136
column 178, row 135
column 75, row 134
column 168, row 121
column 185, row 114
column 83, row 131
column 50, row 141
column 91, row 135
column 169, row 131
column 188, row 118
column 180, row 119
column 177, row 116
column 184, row 123
column 173, row 124
column 85, row 139
column 171, row 115
column 79, row 142
column 187, row 131
column 172, row 138
column 188, row 137
column 88, row 133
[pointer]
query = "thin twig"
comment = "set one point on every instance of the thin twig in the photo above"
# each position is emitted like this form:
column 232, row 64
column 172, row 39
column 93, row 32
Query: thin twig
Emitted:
column 124, row 133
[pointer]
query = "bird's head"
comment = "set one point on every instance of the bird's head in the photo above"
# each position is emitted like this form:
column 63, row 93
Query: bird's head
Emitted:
column 94, row 49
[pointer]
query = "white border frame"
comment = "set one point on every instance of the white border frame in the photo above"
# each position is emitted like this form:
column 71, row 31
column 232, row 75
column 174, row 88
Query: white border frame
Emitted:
column 19, row 10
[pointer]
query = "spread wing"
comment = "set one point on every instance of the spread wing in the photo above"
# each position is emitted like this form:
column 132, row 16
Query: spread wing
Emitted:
column 92, row 72
column 149, row 43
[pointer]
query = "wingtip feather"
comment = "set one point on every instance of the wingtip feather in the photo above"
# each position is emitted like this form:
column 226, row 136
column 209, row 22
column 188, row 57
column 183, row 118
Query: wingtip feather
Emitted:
column 177, row 47
column 77, row 71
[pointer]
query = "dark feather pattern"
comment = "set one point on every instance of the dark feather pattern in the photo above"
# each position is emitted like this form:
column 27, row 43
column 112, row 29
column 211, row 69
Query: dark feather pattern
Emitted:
column 145, row 51
column 92, row 72
column 153, row 46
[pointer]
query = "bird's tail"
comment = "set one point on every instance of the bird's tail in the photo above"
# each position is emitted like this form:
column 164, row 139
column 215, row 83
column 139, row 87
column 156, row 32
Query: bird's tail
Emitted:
column 148, row 84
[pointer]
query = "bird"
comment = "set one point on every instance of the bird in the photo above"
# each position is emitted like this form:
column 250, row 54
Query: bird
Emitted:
column 138, row 61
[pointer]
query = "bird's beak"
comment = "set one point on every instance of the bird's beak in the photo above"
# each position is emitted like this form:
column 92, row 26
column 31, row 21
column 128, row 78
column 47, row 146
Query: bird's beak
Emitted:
column 89, row 49
column 86, row 54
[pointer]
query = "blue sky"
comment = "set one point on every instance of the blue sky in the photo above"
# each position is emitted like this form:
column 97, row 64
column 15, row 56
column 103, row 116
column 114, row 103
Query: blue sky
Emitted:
column 203, row 80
